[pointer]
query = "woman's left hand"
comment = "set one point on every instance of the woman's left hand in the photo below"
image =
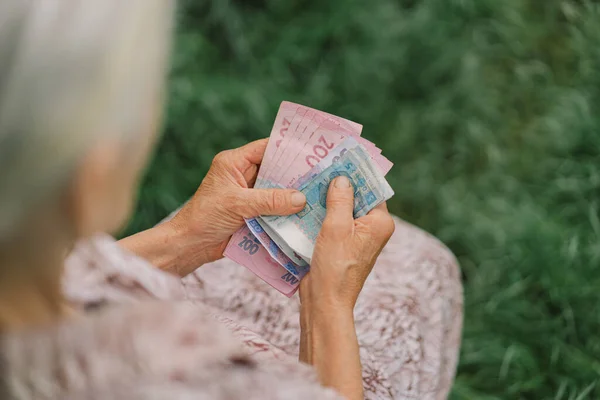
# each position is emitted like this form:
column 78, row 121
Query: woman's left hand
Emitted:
column 206, row 223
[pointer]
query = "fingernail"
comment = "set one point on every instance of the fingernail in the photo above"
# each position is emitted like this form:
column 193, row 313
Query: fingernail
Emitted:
column 298, row 199
column 342, row 182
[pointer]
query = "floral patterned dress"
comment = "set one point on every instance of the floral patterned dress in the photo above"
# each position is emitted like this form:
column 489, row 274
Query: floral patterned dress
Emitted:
column 222, row 333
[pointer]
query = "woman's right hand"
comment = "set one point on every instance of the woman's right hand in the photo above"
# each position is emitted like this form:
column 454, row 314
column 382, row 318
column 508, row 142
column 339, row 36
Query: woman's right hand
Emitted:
column 344, row 255
column 346, row 250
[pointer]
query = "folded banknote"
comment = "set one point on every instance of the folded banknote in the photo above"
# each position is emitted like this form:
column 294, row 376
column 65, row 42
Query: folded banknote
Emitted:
column 307, row 149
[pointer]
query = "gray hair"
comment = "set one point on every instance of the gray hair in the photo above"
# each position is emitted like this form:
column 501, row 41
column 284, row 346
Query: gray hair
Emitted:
column 72, row 72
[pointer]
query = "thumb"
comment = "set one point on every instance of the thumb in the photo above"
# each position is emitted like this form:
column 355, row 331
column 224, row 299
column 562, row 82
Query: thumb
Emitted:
column 273, row 202
column 340, row 204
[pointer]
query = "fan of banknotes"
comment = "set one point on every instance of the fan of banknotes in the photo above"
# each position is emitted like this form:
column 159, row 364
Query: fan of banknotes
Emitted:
column 307, row 149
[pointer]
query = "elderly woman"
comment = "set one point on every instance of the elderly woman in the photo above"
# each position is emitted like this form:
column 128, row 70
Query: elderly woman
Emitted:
column 81, row 87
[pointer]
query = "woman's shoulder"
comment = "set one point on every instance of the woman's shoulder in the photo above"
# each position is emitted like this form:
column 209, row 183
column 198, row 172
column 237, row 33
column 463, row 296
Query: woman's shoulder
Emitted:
column 150, row 350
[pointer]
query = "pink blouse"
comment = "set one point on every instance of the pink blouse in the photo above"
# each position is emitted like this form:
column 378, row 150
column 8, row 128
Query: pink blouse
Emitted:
column 221, row 333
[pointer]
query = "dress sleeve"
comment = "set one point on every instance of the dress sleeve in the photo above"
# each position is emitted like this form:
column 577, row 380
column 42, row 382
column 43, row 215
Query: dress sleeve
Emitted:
column 98, row 271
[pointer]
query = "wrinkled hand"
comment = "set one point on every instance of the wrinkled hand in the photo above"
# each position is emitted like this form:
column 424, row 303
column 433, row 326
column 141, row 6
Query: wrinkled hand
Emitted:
column 345, row 251
column 224, row 199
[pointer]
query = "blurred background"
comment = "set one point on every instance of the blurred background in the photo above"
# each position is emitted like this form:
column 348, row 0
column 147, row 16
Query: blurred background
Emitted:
column 489, row 109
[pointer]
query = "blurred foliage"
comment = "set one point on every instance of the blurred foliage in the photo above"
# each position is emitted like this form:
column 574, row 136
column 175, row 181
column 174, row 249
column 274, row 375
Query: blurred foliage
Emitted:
column 490, row 110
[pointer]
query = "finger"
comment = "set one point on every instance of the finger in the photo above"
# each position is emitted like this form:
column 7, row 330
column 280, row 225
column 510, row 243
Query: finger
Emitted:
column 250, row 174
column 377, row 214
column 379, row 221
column 252, row 182
column 383, row 207
column 254, row 151
column 273, row 202
column 380, row 211
column 340, row 204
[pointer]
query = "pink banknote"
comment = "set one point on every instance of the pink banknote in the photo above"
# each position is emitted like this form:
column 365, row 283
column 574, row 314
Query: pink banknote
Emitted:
column 283, row 120
column 308, row 148
column 302, row 122
column 300, row 139
column 244, row 249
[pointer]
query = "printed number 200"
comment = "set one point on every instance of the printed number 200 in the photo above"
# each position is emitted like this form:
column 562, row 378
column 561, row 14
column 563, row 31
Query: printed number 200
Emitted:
column 248, row 245
column 319, row 152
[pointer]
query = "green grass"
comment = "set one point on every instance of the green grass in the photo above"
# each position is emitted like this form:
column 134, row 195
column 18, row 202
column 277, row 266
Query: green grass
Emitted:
column 490, row 110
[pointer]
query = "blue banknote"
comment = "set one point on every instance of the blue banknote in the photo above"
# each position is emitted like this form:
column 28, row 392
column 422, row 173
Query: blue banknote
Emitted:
column 298, row 266
column 299, row 231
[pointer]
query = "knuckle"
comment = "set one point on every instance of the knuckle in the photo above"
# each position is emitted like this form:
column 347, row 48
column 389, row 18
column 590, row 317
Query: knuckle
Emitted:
column 389, row 227
column 382, row 228
column 221, row 159
column 336, row 202
column 278, row 200
column 341, row 198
